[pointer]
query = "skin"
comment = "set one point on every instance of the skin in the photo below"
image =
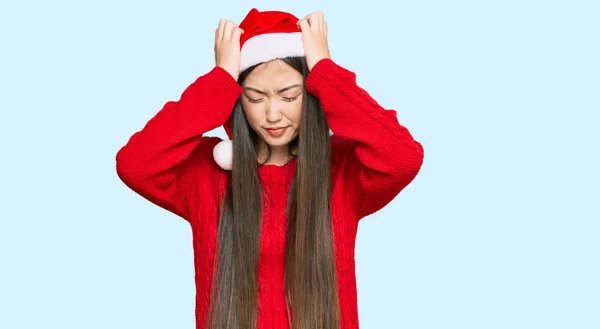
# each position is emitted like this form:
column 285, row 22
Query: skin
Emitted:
column 272, row 97
column 275, row 108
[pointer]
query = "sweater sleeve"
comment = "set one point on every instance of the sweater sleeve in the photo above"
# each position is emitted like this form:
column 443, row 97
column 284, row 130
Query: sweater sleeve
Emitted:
column 384, row 157
column 155, row 161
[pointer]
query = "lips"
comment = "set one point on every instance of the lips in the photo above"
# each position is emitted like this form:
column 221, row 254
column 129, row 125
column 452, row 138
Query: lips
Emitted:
column 276, row 131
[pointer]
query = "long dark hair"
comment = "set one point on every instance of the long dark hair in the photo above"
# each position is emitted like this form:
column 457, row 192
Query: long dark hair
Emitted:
column 310, row 271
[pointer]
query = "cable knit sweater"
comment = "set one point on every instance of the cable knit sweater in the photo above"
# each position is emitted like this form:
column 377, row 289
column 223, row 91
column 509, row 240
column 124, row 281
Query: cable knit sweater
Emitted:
column 170, row 163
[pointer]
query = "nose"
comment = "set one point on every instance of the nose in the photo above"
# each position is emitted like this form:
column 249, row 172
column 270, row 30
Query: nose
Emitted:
column 274, row 111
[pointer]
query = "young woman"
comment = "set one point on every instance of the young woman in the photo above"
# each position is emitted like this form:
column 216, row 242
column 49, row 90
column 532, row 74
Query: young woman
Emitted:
column 275, row 210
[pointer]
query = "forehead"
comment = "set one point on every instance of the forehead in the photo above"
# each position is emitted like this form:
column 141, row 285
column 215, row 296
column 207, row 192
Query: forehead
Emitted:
column 274, row 74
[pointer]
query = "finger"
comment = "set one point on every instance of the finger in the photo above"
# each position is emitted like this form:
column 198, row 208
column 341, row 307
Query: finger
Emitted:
column 304, row 26
column 321, row 20
column 220, row 29
column 229, row 26
column 313, row 21
column 237, row 32
column 325, row 28
column 308, row 19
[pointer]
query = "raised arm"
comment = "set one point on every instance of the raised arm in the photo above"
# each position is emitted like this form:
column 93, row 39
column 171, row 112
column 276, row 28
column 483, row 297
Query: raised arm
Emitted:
column 384, row 157
column 156, row 161
column 377, row 157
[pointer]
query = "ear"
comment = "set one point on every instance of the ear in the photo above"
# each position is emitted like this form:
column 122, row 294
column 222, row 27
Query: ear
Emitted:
column 223, row 154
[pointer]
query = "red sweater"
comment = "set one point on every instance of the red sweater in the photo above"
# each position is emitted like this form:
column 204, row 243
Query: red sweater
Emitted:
column 170, row 163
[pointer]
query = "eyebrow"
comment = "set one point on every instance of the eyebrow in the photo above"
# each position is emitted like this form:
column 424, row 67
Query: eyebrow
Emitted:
column 280, row 90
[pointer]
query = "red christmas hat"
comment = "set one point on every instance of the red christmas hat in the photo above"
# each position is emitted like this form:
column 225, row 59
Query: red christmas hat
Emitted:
column 267, row 35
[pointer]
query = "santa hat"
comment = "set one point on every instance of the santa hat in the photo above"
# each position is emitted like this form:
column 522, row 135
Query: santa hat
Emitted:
column 267, row 35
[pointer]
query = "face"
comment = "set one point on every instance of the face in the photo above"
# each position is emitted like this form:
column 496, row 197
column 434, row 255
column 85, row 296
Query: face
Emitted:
column 272, row 98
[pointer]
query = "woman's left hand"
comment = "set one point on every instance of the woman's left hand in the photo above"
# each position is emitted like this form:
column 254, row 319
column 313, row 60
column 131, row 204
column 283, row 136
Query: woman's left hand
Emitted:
column 314, row 38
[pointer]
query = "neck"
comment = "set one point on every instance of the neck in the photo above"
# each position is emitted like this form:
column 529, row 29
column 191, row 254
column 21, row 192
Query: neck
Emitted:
column 279, row 154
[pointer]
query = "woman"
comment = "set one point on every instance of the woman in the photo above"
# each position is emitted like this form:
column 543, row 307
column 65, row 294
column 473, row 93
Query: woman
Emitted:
column 274, row 212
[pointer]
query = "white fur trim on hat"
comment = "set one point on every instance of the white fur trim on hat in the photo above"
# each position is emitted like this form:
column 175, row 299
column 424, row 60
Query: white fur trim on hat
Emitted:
column 269, row 46
column 223, row 154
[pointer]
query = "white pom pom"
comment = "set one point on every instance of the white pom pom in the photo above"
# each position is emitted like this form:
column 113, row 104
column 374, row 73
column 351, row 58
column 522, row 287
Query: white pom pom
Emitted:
column 223, row 153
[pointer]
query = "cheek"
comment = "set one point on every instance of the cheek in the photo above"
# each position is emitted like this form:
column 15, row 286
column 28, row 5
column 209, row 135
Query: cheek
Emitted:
column 251, row 112
column 296, row 112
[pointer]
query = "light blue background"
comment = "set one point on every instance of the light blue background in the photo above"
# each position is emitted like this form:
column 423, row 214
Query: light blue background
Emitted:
column 499, row 230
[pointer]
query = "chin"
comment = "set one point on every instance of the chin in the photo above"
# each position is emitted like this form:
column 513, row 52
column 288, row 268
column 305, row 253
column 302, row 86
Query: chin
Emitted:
column 278, row 141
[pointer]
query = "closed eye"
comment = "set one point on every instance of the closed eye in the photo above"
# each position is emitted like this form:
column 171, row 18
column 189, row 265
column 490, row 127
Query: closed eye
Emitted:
column 290, row 99
column 287, row 99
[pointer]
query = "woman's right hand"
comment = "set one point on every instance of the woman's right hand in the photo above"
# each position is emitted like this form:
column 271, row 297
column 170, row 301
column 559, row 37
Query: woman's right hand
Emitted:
column 227, row 47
